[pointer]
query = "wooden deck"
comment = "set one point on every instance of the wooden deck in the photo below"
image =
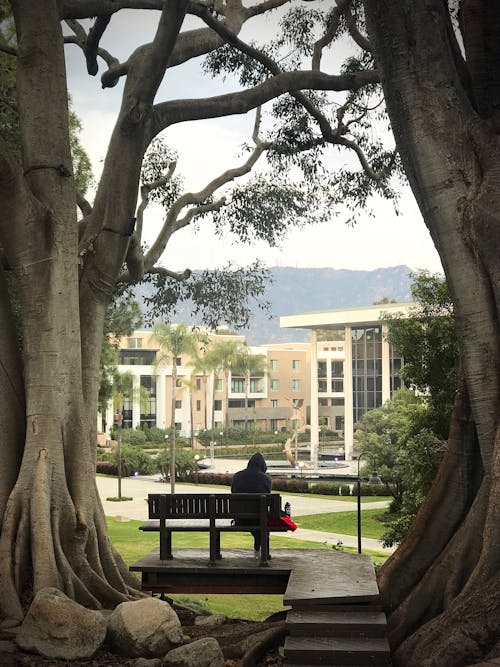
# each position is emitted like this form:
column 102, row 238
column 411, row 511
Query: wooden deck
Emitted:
column 336, row 617
column 338, row 577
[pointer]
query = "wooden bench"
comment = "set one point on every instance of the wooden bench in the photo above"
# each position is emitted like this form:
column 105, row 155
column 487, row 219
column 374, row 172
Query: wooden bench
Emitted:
column 214, row 513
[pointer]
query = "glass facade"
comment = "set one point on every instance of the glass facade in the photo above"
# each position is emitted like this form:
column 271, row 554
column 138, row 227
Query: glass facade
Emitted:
column 366, row 369
column 148, row 406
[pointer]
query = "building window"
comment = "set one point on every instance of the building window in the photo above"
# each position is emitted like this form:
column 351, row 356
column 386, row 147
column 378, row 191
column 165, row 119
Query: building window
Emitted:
column 198, row 383
column 178, row 404
column 296, row 364
column 274, row 403
column 217, row 405
column 136, row 357
column 178, row 426
column 330, row 334
column 322, row 369
column 134, row 343
column 148, row 406
column 218, row 384
column 323, row 402
column 178, row 361
column 322, row 386
column 273, row 364
column 366, row 345
column 339, row 423
column 337, row 401
column 178, row 382
column 275, row 385
column 237, row 385
column 337, row 386
column 337, row 369
column 198, row 406
column 295, row 385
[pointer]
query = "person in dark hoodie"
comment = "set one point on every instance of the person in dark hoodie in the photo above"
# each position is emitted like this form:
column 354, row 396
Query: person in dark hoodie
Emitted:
column 252, row 480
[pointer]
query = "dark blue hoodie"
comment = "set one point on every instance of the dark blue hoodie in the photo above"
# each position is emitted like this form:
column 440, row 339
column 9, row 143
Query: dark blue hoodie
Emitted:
column 253, row 479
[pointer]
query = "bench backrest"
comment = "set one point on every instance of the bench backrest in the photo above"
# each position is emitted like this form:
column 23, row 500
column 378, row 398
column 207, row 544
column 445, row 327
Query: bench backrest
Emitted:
column 218, row 505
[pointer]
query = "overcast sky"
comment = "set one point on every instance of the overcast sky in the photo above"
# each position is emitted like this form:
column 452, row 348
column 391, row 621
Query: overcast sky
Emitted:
column 208, row 147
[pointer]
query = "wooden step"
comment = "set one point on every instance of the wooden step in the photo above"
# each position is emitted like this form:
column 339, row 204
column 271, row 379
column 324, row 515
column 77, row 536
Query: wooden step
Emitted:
column 345, row 651
column 337, row 623
column 370, row 606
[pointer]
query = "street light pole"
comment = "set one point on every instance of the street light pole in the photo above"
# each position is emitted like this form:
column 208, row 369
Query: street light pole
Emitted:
column 359, row 505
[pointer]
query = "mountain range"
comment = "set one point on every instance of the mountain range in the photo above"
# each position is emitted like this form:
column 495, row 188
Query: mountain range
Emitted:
column 299, row 290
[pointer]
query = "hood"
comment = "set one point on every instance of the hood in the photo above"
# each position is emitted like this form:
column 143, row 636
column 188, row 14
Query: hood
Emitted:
column 257, row 462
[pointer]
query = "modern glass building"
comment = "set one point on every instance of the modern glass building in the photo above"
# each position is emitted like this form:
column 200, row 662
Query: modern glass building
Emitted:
column 353, row 367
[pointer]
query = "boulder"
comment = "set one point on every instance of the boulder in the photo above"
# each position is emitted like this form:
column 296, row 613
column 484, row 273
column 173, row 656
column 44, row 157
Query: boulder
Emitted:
column 57, row 627
column 145, row 628
column 208, row 621
column 204, row 652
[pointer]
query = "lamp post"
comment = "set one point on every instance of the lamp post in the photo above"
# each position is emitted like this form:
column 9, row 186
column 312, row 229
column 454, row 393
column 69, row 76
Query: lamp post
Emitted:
column 373, row 479
column 196, row 459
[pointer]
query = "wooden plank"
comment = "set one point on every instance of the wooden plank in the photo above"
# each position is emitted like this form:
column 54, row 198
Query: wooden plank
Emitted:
column 337, row 579
column 338, row 651
column 314, row 622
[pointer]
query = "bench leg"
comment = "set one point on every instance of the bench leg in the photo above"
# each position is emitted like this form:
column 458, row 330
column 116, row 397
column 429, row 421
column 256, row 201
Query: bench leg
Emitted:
column 166, row 547
column 218, row 554
column 213, row 547
column 264, row 550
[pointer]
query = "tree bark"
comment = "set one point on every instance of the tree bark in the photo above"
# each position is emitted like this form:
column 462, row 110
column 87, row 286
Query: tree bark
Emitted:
column 436, row 586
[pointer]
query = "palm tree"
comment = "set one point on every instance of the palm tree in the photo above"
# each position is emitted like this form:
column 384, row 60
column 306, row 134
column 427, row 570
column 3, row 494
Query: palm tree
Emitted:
column 174, row 340
column 249, row 365
column 222, row 356
column 202, row 365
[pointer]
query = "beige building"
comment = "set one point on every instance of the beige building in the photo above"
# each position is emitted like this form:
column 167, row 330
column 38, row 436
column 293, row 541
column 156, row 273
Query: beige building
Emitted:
column 353, row 368
column 271, row 404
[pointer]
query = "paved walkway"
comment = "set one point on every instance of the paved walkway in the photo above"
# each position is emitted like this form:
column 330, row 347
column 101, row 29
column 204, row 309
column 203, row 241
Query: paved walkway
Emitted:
column 138, row 488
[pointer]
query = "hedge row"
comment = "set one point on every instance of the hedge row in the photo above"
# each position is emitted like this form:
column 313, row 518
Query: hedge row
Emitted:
column 293, row 485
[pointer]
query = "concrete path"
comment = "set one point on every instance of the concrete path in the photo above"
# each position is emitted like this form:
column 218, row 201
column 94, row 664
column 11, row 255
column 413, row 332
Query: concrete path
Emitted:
column 138, row 488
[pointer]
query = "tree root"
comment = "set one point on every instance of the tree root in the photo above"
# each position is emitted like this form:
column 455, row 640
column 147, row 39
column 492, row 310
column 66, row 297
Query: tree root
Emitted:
column 66, row 552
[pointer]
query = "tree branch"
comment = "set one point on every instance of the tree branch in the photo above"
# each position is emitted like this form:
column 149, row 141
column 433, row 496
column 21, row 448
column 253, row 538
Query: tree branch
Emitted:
column 331, row 31
column 8, row 49
column 145, row 192
column 172, row 223
column 80, row 38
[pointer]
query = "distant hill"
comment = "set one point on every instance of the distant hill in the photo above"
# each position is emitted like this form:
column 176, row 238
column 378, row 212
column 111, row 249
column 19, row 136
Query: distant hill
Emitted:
column 295, row 290
column 301, row 290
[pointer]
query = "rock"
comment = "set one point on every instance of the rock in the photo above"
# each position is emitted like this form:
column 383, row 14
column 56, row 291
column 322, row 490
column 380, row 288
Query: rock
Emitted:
column 213, row 619
column 57, row 627
column 204, row 652
column 145, row 628
column 144, row 662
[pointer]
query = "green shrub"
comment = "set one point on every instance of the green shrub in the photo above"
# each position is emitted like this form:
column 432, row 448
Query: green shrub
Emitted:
column 293, row 485
column 133, row 436
column 185, row 464
column 107, row 468
column 217, row 478
column 134, row 460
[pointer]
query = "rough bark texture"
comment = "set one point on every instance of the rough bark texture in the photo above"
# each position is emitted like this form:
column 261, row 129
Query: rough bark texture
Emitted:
column 441, row 586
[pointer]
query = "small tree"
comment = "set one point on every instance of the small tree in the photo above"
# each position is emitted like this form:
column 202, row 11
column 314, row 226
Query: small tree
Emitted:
column 400, row 444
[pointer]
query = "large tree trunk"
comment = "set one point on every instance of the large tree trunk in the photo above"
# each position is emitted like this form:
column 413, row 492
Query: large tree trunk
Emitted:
column 441, row 585
column 53, row 528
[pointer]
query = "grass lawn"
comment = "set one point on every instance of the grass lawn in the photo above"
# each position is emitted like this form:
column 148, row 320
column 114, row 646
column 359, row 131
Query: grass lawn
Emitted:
column 133, row 544
column 346, row 523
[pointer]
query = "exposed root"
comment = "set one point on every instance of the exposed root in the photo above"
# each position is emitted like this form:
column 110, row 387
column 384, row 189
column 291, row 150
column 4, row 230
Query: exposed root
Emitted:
column 460, row 636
